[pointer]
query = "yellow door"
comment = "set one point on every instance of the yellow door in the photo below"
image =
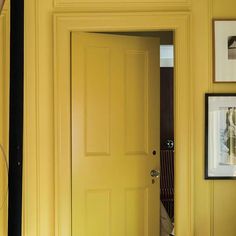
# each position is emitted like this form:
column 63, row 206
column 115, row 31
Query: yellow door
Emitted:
column 115, row 135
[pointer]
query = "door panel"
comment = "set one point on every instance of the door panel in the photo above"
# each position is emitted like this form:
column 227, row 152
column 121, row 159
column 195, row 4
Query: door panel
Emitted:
column 97, row 92
column 136, row 102
column 136, row 220
column 115, row 129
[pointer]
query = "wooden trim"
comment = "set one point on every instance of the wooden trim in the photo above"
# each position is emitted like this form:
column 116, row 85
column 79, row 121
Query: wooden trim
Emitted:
column 31, row 127
column 38, row 205
column 4, row 110
column 72, row 6
column 66, row 23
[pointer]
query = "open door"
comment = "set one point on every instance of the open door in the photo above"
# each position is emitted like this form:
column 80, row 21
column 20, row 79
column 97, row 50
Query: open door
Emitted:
column 115, row 135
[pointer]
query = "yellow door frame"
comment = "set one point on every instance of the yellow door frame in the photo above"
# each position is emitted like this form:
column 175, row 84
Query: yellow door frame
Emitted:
column 64, row 24
column 4, row 111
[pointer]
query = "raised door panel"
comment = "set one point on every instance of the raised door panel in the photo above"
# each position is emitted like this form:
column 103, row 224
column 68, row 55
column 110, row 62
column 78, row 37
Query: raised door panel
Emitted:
column 136, row 102
column 97, row 101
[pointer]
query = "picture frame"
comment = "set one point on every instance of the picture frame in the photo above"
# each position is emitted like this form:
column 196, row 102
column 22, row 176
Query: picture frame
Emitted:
column 224, row 50
column 220, row 136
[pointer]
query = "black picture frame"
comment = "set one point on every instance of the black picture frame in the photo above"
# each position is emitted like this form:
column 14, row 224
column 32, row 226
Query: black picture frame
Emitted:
column 220, row 136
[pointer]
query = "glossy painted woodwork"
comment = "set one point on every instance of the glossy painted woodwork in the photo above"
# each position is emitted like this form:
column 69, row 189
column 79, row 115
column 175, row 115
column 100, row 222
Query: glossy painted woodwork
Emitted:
column 115, row 128
column 200, row 205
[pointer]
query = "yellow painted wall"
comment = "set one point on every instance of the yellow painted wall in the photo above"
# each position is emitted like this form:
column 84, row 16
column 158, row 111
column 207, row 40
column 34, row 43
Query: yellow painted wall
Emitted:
column 201, row 80
column 224, row 191
column 4, row 117
column 213, row 201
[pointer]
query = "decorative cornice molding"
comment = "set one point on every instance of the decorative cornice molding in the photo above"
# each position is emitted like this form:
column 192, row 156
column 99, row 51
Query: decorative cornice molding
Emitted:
column 91, row 6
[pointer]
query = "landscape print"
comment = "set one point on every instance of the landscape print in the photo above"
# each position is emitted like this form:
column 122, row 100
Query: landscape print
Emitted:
column 232, row 48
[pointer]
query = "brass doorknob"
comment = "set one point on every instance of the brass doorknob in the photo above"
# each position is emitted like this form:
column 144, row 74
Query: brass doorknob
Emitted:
column 155, row 173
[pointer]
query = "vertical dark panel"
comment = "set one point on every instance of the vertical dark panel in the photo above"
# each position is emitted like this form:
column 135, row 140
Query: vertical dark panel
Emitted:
column 167, row 133
column 16, row 117
column 167, row 106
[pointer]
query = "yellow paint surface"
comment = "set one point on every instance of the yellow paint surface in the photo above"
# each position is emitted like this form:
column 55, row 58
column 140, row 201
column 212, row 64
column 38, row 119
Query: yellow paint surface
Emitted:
column 4, row 117
column 115, row 128
column 212, row 212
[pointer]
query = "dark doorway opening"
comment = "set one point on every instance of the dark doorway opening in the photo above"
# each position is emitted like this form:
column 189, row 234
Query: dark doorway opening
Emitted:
column 167, row 140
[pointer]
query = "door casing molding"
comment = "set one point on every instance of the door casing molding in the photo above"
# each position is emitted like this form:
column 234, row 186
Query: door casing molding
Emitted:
column 64, row 24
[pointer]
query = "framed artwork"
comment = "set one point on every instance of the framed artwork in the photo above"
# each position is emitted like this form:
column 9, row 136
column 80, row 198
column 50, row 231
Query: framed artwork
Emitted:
column 224, row 50
column 220, row 136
